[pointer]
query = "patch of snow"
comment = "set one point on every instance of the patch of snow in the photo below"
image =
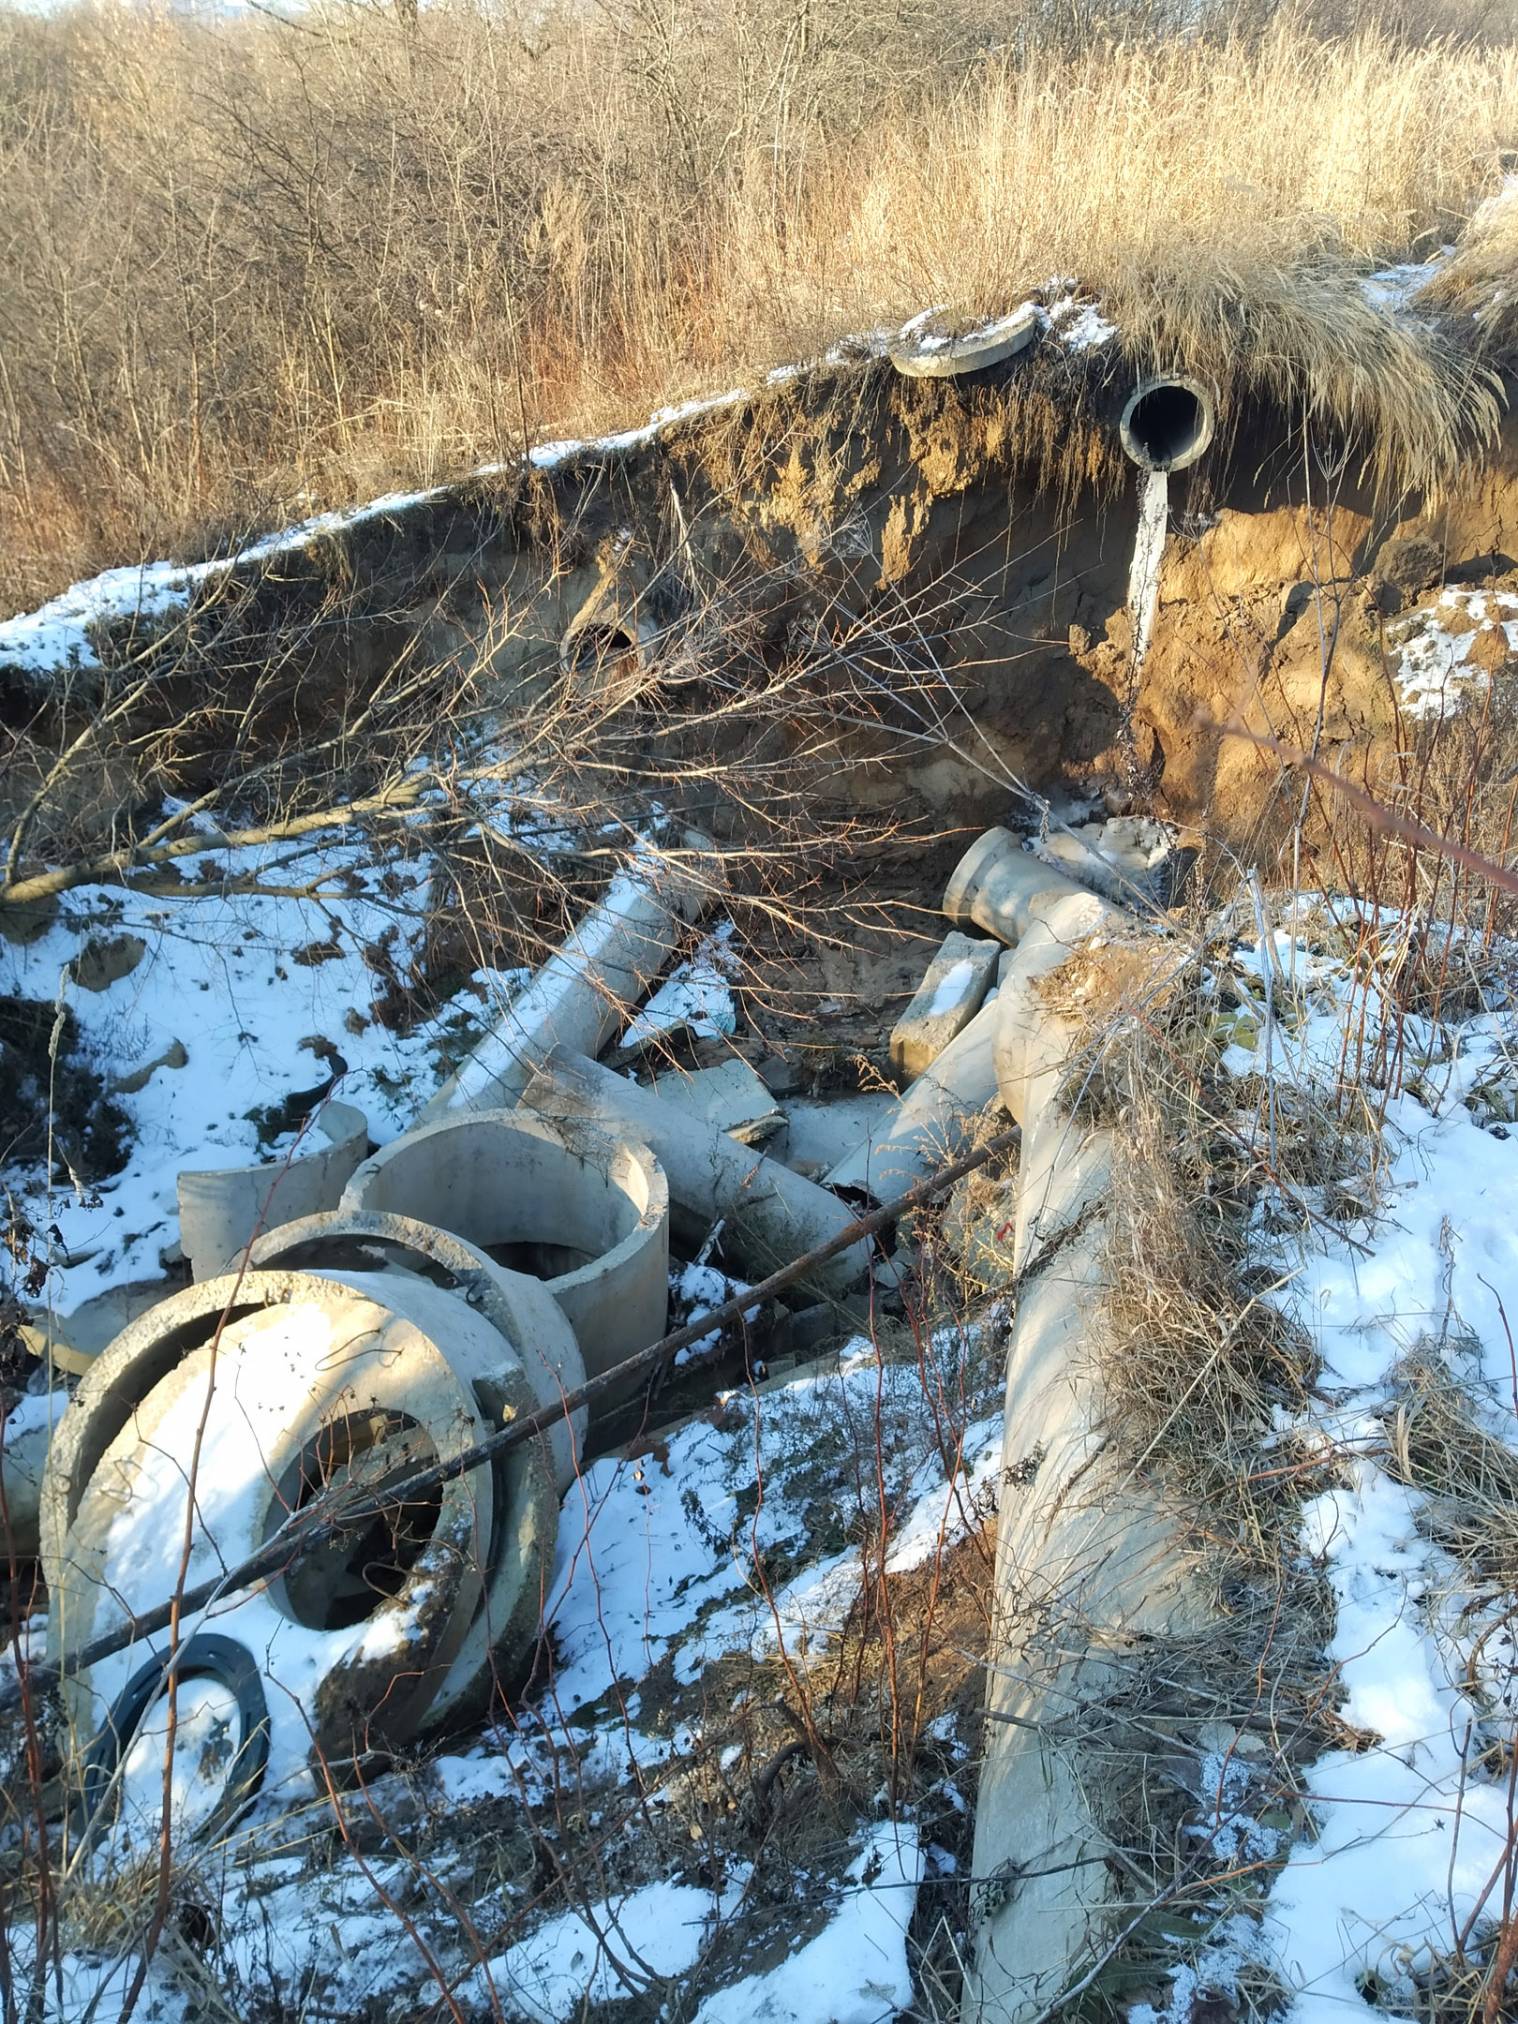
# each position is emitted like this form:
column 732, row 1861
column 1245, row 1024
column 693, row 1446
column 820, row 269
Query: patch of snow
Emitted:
column 1430, row 649
column 696, row 997
column 952, row 987
column 855, row 1971
column 615, row 1949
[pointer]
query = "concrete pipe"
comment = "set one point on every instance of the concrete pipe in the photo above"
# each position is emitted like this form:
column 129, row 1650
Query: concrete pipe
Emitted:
column 923, row 353
column 1167, row 422
column 611, row 633
column 769, row 1214
column 219, row 1212
column 933, row 1119
column 307, row 1386
column 583, row 993
column 583, row 1211
column 26, row 1434
column 523, row 1311
column 1003, row 889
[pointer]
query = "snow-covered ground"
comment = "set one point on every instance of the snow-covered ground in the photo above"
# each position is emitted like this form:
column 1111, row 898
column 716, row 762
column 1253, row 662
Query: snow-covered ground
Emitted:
column 1410, row 1831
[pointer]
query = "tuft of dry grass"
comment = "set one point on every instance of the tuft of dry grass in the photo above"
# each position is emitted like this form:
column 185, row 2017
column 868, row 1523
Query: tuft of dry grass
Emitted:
column 255, row 264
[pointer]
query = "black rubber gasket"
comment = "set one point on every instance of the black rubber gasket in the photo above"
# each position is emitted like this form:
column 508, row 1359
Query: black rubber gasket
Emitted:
column 208, row 1655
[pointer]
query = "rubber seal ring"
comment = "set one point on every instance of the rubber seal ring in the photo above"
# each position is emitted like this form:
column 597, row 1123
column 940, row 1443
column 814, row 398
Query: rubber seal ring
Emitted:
column 206, row 1656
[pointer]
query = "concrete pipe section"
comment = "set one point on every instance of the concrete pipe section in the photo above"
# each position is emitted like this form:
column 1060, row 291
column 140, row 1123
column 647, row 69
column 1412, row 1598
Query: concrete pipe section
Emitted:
column 1167, row 422
column 585, row 991
column 525, row 1314
column 583, row 1211
column 220, row 1212
column 271, row 1392
column 924, row 353
column 610, row 637
column 769, row 1214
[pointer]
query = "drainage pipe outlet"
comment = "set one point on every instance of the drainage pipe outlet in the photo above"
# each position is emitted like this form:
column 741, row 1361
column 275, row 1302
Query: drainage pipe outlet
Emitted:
column 1167, row 422
column 582, row 1210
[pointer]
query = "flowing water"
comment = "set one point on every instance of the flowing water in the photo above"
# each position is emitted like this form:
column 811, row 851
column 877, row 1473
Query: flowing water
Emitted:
column 1144, row 576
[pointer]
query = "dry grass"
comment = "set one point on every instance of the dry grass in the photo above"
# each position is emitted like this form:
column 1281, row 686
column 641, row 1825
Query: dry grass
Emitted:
column 254, row 264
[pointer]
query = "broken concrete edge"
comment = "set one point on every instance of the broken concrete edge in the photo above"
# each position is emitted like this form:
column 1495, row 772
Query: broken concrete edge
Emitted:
column 220, row 1210
column 769, row 1214
column 528, row 1318
column 952, row 991
column 932, row 1120
column 495, row 1177
column 580, row 996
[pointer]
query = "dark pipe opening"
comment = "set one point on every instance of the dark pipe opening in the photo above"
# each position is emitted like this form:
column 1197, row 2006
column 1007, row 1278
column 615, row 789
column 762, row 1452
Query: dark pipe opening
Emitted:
column 1167, row 424
column 595, row 647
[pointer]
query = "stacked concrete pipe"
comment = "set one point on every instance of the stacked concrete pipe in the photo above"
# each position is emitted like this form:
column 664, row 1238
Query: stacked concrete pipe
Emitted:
column 413, row 1373
column 1086, row 1562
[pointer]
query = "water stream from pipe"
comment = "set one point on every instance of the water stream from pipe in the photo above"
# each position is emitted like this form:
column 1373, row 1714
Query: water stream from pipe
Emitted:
column 1144, row 576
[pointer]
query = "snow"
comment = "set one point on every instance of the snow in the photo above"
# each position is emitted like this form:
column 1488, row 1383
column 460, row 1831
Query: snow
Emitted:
column 61, row 634
column 855, row 1971
column 1430, row 649
column 695, row 998
column 1408, row 1830
column 664, row 1551
column 952, row 986
column 613, row 1950
column 235, row 978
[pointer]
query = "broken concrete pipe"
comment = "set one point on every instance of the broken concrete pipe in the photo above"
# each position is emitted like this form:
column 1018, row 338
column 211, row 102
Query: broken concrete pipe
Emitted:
column 522, row 1309
column 932, row 1121
column 612, row 633
column 219, row 1211
column 1167, row 422
column 324, row 1383
column 1107, row 1555
column 769, row 1214
column 1002, row 889
column 582, row 994
column 584, row 1211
